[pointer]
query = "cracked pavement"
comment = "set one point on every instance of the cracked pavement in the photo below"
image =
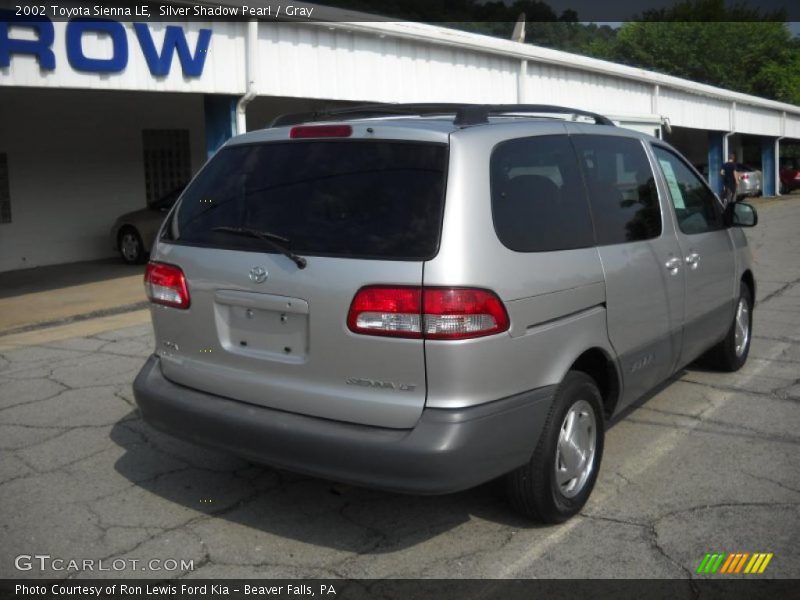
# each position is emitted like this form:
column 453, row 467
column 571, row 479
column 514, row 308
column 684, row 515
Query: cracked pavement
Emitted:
column 706, row 463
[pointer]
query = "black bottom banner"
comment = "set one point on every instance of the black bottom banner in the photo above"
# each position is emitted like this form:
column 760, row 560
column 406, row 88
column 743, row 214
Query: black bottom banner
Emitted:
column 397, row 589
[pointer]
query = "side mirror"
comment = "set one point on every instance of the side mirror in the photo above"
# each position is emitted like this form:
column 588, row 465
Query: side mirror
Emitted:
column 739, row 214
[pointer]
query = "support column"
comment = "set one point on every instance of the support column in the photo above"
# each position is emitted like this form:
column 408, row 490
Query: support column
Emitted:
column 220, row 112
column 769, row 161
column 715, row 159
column 522, row 81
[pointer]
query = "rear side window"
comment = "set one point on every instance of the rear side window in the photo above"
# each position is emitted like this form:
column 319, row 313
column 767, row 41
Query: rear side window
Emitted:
column 538, row 203
column 361, row 199
column 622, row 189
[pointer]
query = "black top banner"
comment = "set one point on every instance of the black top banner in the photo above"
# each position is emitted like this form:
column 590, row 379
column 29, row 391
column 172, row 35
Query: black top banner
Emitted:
column 429, row 11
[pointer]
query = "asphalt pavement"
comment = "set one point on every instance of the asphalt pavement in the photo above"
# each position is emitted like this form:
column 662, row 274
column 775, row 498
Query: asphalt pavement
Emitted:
column 707, row 463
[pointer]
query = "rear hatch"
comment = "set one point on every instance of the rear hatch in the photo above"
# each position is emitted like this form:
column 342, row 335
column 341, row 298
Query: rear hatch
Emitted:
column 750, row 177
column 263, row 330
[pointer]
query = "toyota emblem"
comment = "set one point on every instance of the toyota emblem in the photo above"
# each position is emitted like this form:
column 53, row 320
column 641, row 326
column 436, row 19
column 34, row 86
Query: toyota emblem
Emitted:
column 258, row 275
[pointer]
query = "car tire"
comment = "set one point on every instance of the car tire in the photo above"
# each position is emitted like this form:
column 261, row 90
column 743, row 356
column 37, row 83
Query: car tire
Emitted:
column 130, row 246
column 731, row 353
column 543, row 489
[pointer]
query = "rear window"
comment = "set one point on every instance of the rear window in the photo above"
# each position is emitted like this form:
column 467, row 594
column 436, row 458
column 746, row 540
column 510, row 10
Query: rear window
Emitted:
column 361, row 199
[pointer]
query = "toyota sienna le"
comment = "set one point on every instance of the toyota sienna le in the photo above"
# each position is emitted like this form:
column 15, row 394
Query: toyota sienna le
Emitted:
column 422, row 298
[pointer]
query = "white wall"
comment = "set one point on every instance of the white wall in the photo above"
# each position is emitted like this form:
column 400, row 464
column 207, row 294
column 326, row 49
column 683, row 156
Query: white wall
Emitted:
column 550, row 84
column 317, row 62
column 750, row 119
column 75, row 164
column 699, row 112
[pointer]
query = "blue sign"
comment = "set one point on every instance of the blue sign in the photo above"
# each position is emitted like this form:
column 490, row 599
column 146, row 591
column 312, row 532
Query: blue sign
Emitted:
column 158, row 61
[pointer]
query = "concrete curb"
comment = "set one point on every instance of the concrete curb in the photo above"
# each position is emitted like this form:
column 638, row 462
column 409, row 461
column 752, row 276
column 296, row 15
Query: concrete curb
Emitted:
column 82, row 328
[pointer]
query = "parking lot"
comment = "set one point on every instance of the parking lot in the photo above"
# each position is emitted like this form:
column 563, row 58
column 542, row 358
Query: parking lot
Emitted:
column 707, row 463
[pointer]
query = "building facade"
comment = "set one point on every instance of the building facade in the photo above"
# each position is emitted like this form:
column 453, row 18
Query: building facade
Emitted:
column 102, row 117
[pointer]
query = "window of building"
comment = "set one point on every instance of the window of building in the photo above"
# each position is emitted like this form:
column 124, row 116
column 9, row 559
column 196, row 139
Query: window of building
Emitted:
column 167, row 161
column 538, row 201
column 5, row 190
column 695, row 204
column 622, row 189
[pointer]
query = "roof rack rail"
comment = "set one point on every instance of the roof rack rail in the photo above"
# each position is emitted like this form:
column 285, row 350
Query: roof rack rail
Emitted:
column 521, row 109
column 366, row 111
column 465, row 114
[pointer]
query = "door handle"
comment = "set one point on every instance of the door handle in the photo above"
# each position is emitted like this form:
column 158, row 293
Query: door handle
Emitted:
column 693, row 260
column 673, row 265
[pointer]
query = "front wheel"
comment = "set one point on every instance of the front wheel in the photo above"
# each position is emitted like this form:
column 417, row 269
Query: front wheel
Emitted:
column 731, row 353
column 557, row 481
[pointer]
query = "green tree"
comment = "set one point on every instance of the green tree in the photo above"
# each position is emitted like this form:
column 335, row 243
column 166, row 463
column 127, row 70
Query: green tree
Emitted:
column 570, row 36
column 738, row 48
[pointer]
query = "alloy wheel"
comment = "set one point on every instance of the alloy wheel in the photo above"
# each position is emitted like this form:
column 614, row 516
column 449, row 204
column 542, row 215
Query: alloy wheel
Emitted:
column 741, row 331
column 577, row 442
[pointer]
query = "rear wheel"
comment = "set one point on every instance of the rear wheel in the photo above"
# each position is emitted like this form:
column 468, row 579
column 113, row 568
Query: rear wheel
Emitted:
column 731, row 353
column 130, row 246
column 557, row 481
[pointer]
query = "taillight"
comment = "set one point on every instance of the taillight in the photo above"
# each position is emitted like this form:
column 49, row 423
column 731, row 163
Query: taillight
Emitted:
column 320, row 131
column 431, row 313
column 392, row 311
column 458, row 313
column 165, row 284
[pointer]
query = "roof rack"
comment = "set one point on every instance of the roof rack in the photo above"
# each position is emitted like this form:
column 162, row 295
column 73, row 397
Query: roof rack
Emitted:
column 465, row 114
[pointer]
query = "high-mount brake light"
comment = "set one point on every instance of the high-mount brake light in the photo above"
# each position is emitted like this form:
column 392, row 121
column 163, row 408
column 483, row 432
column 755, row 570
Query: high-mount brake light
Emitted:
column 432, row 313
column 165, row 284
column 320, row 131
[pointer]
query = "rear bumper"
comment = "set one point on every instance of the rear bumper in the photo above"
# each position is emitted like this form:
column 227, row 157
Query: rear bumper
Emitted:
column 447, row 451
column 748, row 189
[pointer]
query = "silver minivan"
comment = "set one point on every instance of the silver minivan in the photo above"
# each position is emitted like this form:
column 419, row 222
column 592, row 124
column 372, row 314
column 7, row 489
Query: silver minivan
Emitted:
column 423, row 298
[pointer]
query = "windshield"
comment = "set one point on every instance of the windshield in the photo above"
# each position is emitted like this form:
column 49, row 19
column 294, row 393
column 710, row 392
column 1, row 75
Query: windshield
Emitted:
column 370, row 199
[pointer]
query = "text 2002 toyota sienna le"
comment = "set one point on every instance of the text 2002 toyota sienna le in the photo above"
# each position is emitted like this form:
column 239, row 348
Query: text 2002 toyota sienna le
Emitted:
column 424, row 298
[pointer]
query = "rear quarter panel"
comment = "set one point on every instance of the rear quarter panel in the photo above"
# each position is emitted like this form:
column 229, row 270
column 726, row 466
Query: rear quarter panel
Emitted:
column 554, row 299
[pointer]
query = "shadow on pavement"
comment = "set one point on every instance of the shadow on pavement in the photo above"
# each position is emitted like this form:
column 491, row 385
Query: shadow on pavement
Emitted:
column 43, row 279
column 292, row 506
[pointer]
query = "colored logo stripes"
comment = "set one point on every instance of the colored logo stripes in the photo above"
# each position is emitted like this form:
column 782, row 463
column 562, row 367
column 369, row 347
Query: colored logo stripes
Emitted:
column 732, row 563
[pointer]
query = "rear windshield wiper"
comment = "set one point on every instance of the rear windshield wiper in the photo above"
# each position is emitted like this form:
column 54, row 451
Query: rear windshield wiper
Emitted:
column 276, row 242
